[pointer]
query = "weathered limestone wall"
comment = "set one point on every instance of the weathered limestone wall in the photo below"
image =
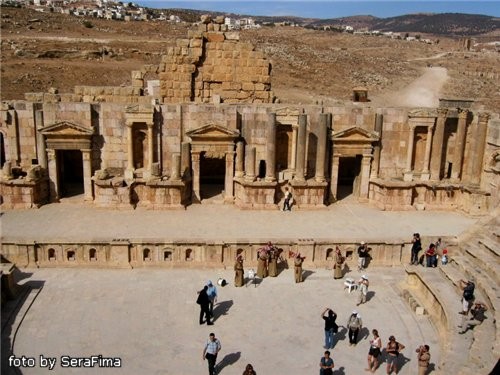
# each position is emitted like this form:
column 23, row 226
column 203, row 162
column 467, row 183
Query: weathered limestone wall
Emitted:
column 491, row 164
column 212, row 65
column 186, row 254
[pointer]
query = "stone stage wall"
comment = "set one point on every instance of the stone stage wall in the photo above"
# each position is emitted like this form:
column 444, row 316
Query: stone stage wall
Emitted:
column 123, row 253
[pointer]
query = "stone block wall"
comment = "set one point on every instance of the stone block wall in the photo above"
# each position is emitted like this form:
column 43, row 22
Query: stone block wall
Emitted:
column 124, row 253
column 214, row 66
column 16, row 194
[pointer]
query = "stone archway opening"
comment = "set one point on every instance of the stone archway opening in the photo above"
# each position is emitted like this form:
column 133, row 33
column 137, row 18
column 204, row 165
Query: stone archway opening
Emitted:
column 348, row 177
column 70, row 171
column 212, row 175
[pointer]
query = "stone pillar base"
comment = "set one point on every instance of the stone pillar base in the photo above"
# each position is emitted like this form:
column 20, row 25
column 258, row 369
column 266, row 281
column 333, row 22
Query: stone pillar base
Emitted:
column 129, row 174
column 425, row 176
column 408, row 176
column 419, row 206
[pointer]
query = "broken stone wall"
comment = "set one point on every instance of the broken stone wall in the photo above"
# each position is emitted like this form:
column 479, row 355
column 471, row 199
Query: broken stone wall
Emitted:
column 214, row 64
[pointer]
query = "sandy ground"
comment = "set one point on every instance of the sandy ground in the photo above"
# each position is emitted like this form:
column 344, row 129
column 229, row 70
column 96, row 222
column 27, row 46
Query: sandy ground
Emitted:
column 425, row 91
column 149, row 319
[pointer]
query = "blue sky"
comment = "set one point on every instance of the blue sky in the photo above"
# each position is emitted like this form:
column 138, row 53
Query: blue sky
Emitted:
column 333, row 8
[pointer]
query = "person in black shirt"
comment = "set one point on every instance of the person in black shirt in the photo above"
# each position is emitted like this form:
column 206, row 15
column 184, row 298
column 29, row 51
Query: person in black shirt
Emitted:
column 331, row 327
column 362, row 255
column 415, row 248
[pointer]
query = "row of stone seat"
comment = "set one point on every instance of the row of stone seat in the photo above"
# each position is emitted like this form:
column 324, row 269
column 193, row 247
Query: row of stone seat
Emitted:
column 477, row 256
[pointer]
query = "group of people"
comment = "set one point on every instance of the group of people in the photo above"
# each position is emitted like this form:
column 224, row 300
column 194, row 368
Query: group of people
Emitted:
column 354, row 326
column 431, row 255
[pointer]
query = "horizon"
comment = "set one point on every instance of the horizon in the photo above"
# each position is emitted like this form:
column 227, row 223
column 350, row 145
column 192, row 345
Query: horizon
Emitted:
column 325, row 9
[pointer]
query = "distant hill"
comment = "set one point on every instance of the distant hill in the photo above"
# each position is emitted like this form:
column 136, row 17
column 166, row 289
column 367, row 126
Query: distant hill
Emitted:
column 439, row 24
column 446, row 24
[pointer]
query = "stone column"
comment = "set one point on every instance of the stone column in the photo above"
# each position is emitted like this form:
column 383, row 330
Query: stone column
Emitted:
column 129, row 172
column 321, row 147
column 480, row 136
column 185, row 160
column 437, row 145
column 195, row 163
column 250, row 163
column 175, row 173
column 53, row 175
column 240, row 147
column 271, row 148
column 408, row 174
column 458, row 156
column 334, row 176
column 365, row 177
column 87, row 175
column 379, row 121
column 150, row 150
column 428, row 142
column 301, row 148
column 295, row 129
column 228, row 182
column 41, row 153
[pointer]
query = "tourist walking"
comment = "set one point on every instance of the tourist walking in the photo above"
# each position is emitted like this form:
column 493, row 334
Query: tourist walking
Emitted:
column 424, row 357
column 297, row 263
column 204, row 303
column 338, row 260
column 363, row 285
column 476, row 318
column 362, row 255
column 467, row 295
column 354, row 325
column 326, row 364
column 239, row 272
column 392, row 352
column 210, row 351
column 415, row 248
column 249, row 370
column 262, row 257
column 331, row 327
column 287, row 205
column 212, row 296
column 374, row 352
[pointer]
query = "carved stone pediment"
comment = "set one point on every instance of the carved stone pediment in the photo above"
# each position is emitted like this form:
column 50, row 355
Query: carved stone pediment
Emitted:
column 355, row 134
column 139, row 108
column 212, row 132
column 423, row 112
column 287, row 116
column 66, row 129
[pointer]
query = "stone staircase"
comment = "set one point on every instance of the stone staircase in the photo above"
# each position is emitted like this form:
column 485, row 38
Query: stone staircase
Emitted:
column 477, row 255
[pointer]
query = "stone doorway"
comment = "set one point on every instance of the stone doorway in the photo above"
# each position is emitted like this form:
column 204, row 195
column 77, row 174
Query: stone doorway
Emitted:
column 283, row 147
column 140, row 146
column 70, row 171
column 349, row 177
column 212, row 173
column 2, row 150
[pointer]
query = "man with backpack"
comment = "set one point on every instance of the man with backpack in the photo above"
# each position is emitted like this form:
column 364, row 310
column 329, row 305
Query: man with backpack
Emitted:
column 467, row 296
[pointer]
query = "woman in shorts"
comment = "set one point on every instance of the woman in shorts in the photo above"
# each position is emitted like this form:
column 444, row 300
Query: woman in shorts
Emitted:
column 374, row 352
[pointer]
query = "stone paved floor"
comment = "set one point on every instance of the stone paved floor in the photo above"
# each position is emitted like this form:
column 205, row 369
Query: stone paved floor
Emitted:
column 149, row 319
column 218, row 222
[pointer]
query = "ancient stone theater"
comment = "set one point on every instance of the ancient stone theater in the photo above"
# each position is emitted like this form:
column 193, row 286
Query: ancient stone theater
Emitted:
column 207, row 127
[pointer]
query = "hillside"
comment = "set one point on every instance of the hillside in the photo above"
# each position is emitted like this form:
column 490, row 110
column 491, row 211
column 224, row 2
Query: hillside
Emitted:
column 43, row 50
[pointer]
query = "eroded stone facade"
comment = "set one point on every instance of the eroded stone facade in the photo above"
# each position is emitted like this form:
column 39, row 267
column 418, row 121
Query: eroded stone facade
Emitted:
column 208, row 129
